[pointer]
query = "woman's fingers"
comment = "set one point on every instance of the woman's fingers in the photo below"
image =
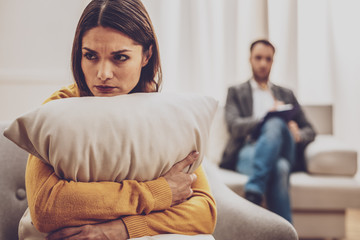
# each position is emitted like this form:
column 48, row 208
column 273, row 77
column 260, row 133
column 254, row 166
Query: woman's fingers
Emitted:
column 180, row 182
column 112, row 230
column 190, row 159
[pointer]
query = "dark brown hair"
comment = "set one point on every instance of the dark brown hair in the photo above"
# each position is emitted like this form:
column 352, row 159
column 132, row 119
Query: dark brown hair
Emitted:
column 263, row 41
column 129, row 17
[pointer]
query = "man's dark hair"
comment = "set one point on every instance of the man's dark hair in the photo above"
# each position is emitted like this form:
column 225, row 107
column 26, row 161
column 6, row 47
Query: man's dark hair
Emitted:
column 263, row 41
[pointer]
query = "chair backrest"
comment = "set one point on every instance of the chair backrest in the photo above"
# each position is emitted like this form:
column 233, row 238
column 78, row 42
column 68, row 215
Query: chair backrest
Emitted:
column 12, row 186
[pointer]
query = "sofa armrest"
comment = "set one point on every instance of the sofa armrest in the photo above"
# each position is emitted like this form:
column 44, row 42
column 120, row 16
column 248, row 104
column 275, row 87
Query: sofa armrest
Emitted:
column 239, row 219
column 328, row 155
column 12, row 188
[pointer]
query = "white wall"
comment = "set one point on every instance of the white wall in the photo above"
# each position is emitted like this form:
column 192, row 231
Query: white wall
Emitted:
column 35, row 48
column 283, row 32
column 328, row 51
column 316, row 80
column 346, row 69
column 328, row 55
column 205, row 43
column 204, row 48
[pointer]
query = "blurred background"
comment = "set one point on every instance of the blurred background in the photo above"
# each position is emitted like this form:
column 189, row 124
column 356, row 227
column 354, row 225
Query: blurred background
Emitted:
column 204, row 48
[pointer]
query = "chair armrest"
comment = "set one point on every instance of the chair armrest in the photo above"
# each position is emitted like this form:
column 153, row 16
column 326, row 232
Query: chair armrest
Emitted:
column 328, row 155
column 239, row 219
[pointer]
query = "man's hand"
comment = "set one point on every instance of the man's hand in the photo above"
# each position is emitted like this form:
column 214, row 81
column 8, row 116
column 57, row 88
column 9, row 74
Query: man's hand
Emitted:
column 112, row 230
column 295, row 131
column 180, row 182
column 277, row 103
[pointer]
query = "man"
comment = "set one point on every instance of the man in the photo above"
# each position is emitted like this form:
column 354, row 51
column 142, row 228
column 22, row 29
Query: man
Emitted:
column 265, row 150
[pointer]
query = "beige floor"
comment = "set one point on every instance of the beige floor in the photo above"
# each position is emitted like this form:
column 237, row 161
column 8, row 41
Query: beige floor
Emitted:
column 352, row 224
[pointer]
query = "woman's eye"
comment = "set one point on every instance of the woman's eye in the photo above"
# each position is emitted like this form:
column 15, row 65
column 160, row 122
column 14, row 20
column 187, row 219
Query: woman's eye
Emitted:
column 120, row 57
column 90, row 56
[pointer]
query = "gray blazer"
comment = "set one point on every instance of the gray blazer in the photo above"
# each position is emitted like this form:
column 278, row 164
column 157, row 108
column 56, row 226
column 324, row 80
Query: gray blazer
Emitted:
column 241, row 124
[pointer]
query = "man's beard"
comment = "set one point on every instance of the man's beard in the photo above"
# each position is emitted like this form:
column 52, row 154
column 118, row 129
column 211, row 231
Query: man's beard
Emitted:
column 258, row 78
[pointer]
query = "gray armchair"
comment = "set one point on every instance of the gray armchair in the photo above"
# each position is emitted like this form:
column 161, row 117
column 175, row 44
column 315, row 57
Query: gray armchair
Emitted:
column 237, row 218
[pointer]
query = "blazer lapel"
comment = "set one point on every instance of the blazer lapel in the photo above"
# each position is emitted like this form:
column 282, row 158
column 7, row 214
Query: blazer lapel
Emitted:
column 245, row 94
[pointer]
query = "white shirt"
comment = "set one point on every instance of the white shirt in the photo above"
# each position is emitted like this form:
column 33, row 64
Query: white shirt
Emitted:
column 263, row 99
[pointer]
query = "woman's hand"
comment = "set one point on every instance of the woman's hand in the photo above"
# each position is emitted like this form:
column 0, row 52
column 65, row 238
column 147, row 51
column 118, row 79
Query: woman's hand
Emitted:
column 180, row 182
column 112, row 230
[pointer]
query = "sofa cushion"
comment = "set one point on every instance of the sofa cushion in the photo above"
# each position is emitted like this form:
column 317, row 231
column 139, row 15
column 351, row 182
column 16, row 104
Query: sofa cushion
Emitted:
column 234, row 180
column 330, row 156
column 137, row 136
column 310, row 192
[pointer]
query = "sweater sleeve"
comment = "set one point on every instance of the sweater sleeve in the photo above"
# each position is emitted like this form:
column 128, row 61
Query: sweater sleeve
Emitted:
column 56, row 203
column 195, row 216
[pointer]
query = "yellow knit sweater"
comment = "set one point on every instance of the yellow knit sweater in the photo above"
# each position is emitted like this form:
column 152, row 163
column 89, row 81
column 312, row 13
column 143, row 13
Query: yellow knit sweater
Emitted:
column 144, row 207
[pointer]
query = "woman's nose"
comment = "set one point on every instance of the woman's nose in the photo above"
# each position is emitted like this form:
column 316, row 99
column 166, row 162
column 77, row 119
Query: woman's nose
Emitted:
column 105, row 71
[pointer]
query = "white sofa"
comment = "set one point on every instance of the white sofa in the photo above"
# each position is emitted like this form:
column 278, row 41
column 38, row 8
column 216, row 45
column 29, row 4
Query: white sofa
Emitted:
column 321, row 196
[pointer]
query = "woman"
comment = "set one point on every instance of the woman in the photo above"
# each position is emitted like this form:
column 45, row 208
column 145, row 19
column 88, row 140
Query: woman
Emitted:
column 115, row 51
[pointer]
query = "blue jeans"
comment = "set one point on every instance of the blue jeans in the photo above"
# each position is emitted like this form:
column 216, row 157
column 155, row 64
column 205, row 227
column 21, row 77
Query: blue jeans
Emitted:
column 268, row 163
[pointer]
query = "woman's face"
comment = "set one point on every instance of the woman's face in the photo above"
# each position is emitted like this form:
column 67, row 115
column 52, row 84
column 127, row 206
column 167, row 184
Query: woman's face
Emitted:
column 111, row 61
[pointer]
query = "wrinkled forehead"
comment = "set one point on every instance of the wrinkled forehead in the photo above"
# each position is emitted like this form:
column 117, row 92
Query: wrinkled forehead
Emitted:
column 108, row 38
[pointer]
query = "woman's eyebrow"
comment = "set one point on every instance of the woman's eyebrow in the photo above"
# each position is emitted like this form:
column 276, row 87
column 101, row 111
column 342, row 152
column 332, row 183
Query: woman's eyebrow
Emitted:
column 120, row 51
column 90, row 50
column 112, row 53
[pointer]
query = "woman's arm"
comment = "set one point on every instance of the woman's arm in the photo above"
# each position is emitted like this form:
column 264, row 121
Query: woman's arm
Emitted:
column 55, row 203
column 197, row 215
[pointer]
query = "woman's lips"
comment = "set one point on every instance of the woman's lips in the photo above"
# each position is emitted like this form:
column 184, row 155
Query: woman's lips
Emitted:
column 104, row 89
